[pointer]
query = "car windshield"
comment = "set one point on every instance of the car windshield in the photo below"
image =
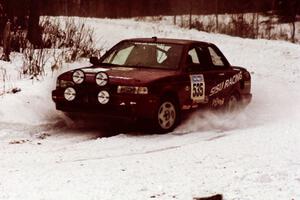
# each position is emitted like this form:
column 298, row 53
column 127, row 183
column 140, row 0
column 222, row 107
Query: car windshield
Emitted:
column 144, row 55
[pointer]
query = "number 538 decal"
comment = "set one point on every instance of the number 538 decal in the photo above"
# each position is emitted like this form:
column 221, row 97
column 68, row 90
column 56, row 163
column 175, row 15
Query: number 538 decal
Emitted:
column 197, row 88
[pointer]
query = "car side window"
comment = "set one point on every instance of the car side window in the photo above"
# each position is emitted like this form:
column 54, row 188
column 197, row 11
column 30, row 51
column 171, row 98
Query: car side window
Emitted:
column 197, row 59
column 193, row 57
column 216, row 58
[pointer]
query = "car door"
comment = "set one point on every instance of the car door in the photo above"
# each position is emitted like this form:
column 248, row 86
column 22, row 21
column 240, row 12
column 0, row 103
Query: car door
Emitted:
column 196, row 79
column 208, row 71
column 223, row 77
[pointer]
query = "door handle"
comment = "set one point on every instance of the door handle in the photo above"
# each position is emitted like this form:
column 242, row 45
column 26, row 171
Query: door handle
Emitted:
column 221, row 74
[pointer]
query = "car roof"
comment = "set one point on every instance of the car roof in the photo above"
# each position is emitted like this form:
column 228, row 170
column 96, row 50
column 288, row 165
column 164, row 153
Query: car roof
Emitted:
column 168, row 40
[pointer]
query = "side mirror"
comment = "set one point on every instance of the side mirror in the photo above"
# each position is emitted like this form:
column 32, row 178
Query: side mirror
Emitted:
column 94, row 60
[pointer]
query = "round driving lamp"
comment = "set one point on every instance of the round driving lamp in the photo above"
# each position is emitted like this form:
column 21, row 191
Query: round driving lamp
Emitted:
column 101, row 79
column 103, row 97
column 78, row 77
column 70, row 94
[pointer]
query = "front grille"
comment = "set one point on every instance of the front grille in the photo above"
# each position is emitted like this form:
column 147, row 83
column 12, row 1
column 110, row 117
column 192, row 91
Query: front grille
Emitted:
column 94, row 87
column 87, row 93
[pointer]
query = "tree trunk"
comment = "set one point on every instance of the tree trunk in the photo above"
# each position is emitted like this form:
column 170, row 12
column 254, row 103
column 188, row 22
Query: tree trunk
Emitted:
column 217, row 16
column 293, row 32
column 191, row 10
column 253, row 26
column 257, row 25
column 182, row 21
column 7, row 40
column 34, row 32
column 174, row 20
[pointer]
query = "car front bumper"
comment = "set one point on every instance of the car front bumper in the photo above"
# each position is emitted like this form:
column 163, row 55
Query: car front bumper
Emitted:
column 120, row 105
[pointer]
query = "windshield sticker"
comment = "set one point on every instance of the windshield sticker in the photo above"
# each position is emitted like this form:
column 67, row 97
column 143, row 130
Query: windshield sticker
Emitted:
column 150, row 43
column 197, row 88
column 123, row 68
column 94, row 70
column 227, row 83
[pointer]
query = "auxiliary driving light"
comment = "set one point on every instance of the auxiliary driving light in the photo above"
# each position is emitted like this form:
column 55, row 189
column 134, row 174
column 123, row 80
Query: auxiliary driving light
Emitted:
column 70, row 94
column 101, row 79
column 78, row 76
column 103, row 97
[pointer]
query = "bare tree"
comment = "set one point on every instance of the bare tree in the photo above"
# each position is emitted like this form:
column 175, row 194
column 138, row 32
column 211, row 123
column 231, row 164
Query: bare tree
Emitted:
column 34, row 30
column 190, row 13
column 217, row 15
column 287, row 11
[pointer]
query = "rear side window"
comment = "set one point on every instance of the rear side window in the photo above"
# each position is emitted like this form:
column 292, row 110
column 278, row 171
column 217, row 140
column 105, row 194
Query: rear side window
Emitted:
column 193, row 56
column 216, row 58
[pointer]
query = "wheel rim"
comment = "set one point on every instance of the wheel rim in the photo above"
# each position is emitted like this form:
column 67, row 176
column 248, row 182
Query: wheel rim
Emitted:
column 166, row 115
column 232, row 103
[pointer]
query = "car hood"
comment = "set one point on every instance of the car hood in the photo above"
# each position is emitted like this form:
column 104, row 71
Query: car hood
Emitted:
column 130, row 76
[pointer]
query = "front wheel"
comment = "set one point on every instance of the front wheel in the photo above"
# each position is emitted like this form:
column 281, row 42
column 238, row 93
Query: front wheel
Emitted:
column 167, row 116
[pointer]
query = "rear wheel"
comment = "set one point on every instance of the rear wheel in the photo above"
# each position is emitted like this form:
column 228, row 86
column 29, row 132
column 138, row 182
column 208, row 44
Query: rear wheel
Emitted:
column 232, row 103
column 167, row 117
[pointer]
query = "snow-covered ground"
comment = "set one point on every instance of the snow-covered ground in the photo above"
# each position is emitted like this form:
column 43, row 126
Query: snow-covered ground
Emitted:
column 251, row 155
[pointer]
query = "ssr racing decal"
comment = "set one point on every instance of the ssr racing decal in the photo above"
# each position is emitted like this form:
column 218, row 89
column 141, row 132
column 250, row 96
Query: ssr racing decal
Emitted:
column 225, row 84
column 197, row 88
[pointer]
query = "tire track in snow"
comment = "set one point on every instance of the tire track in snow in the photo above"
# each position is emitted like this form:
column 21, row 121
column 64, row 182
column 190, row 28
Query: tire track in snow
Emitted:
column 201, row 137
column 124, row 155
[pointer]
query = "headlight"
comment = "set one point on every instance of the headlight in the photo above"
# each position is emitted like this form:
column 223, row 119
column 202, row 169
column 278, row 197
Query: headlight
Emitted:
column 78, row 76
column 101, row 79
column 70, row 94
column 103, row 97
column 142, row 90
column 132, row 90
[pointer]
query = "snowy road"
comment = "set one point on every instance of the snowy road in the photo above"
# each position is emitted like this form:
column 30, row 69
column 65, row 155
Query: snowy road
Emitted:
column 252, row 155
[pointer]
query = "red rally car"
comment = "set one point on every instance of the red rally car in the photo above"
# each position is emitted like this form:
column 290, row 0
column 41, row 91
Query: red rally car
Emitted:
column 154, row 79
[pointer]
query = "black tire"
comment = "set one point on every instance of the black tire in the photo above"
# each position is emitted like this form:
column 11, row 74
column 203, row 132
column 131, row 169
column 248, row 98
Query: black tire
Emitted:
column 232, row 103
column 167, row 116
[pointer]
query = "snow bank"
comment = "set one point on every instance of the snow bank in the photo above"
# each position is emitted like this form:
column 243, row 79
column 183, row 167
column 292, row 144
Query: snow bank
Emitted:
column 33, row 105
